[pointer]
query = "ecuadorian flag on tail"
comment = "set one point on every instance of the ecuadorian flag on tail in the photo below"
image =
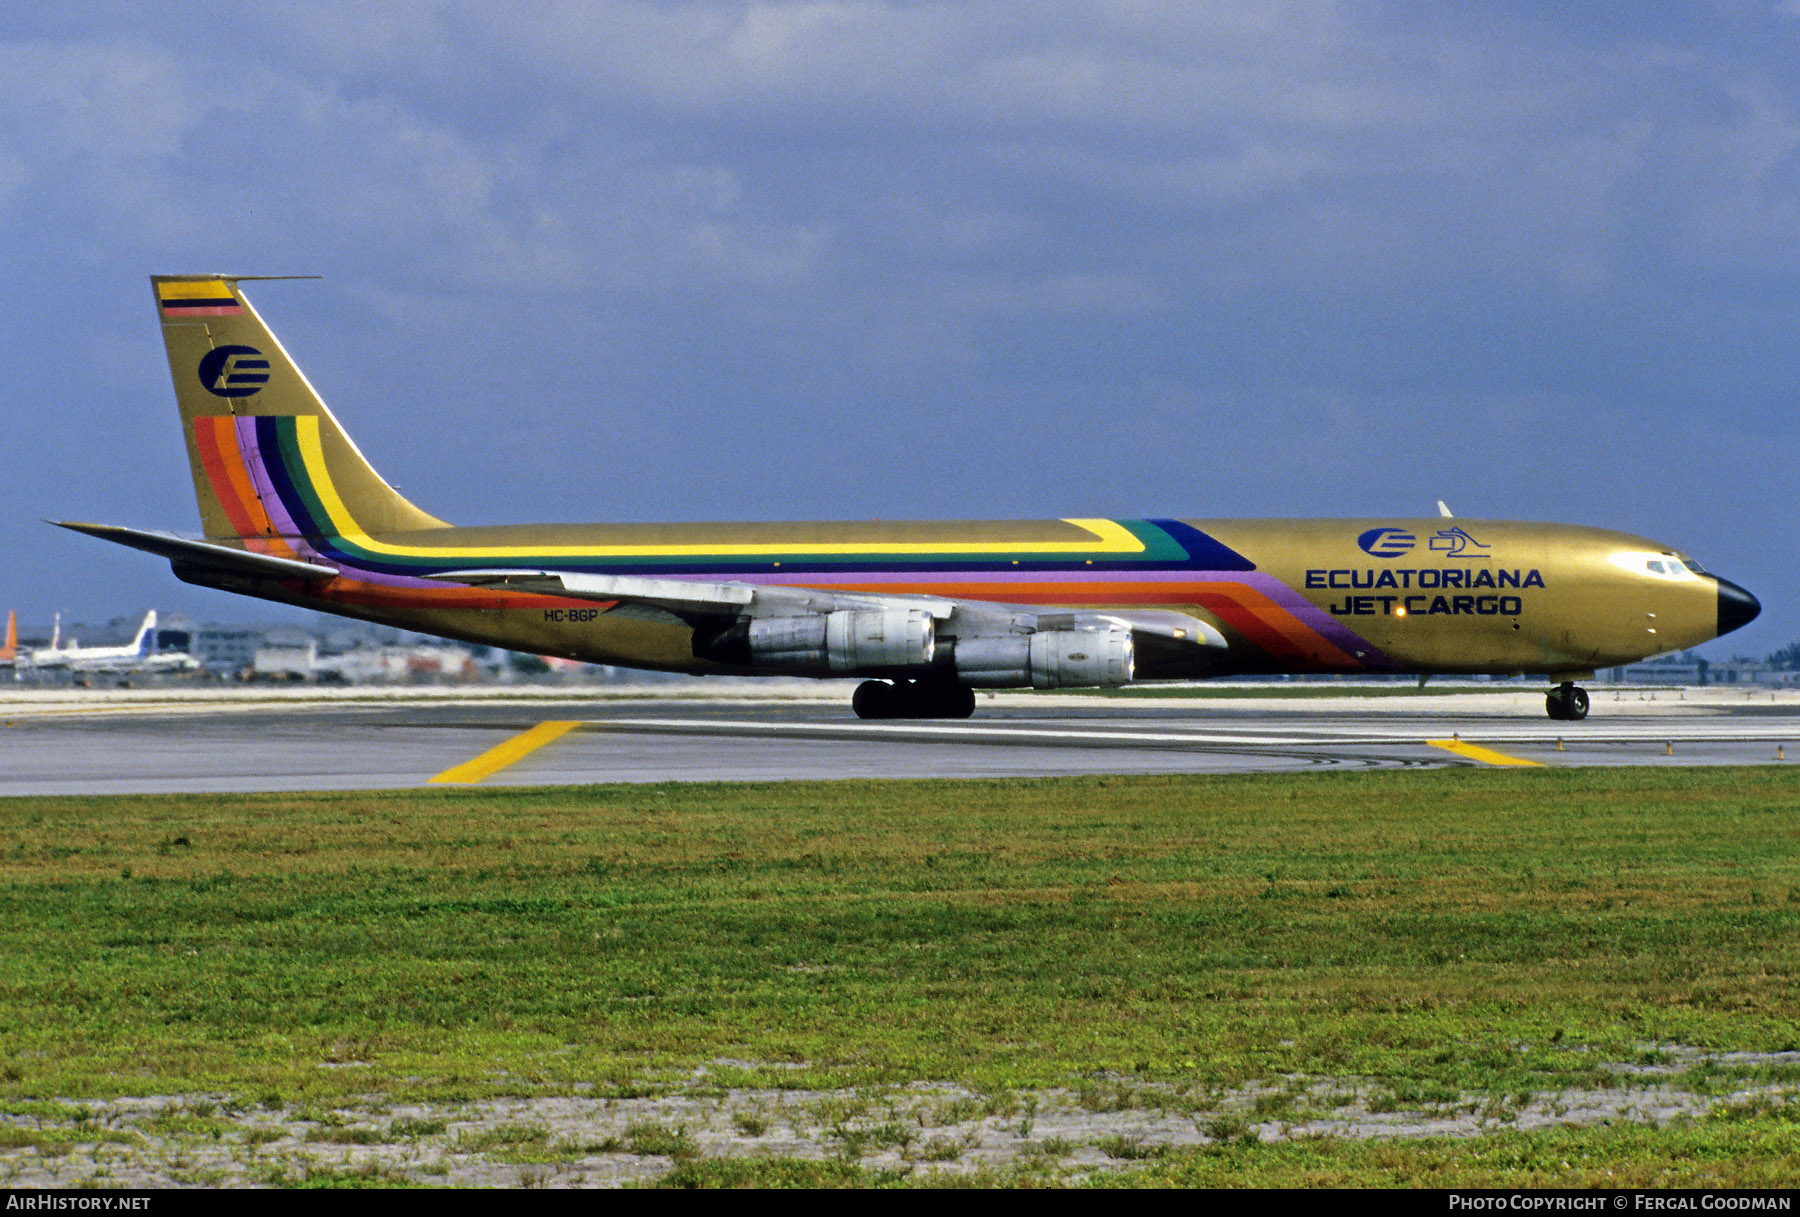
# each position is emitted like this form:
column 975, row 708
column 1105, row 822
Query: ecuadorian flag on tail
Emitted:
column 196, row 298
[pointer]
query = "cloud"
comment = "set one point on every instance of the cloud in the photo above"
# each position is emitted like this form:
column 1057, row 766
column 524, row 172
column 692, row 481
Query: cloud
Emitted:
column 662, row 147
column 766, row 223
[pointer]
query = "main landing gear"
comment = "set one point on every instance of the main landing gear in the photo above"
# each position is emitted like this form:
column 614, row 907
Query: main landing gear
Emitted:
column 913, row 699
column 1567, row 702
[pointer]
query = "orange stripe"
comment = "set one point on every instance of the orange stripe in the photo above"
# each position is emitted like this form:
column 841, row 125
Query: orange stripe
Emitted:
column 224, row 462
column 1273, row 628
column 225, row 459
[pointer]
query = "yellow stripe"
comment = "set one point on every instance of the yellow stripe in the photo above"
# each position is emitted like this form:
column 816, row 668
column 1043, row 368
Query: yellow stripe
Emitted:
column 511, row 752
column 206, row 289
column 1105, row 536
column 1486, row 756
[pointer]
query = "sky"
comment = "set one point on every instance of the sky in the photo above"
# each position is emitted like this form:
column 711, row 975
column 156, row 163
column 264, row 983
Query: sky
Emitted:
column 851, row 259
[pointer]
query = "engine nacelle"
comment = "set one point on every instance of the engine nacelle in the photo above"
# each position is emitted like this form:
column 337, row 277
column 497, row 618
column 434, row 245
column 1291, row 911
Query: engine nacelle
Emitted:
column 1074, row 659
column 1048, row 659
column 860, row 640
column 782, row 642
column 843, row 643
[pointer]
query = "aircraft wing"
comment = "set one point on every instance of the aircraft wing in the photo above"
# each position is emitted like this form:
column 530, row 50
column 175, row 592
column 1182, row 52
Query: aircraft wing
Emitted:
column 1167, row 644
column 227, row 559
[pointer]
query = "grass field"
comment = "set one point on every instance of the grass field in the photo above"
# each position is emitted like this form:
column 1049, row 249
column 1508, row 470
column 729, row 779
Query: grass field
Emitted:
column 1245, row 956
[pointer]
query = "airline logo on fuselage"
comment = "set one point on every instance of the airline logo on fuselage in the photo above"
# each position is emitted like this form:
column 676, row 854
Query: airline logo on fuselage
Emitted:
column 234, row 371
column 1387, row 542
column 1390, row 542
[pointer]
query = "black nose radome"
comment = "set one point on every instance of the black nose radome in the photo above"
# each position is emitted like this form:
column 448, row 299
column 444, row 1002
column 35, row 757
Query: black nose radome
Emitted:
column 1737, row 607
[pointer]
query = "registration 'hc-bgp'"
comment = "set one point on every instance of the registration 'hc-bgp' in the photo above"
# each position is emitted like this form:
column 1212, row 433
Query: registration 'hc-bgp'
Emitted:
column 926, row 612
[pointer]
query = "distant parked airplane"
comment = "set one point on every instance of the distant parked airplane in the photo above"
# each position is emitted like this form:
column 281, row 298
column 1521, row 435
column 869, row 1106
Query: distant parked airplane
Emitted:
column 928, row 612
column 76, row 656
column 138, row 655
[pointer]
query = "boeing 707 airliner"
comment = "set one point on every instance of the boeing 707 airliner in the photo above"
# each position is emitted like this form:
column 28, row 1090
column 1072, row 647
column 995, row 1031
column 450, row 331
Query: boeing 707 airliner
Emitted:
column 925, row 612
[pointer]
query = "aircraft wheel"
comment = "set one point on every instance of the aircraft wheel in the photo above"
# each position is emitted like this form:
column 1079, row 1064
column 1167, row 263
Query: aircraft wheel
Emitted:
column 875, row 699
column 912, row 699
column 939, row 699
column 1578, row 704
column 1567, row 703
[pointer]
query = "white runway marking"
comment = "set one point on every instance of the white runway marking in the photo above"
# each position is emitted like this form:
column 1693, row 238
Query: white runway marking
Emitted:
column 123, row 746
column 1657, row 731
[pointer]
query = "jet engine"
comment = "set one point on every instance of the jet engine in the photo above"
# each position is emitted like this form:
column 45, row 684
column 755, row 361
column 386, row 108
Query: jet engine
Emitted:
column 1048, row 659
column 844, row 643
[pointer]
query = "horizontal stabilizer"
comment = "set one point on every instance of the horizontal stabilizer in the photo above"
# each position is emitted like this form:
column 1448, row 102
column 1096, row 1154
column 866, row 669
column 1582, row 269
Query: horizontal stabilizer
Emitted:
column 207, row 554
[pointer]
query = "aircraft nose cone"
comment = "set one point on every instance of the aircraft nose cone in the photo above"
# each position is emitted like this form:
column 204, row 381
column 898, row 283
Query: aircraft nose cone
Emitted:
column 1737, row 607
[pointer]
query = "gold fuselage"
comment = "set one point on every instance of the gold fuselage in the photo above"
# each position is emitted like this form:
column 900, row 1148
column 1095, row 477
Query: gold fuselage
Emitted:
column 1412, row 596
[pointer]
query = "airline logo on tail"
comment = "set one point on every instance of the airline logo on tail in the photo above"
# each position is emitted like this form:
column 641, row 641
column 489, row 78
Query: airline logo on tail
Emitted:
column 234, row 371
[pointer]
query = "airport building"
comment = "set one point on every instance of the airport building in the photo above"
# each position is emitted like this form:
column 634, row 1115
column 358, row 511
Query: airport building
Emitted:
column 1694, row 672
column 356, row 653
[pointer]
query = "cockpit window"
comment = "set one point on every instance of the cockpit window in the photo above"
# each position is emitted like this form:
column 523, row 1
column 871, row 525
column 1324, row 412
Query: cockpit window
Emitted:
column 1662, row 566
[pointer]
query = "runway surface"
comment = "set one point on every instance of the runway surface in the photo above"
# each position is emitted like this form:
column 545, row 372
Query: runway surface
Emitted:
column 148, row 742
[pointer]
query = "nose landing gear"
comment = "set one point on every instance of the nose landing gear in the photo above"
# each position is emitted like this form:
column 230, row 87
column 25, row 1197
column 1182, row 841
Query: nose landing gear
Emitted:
column 1567, row 702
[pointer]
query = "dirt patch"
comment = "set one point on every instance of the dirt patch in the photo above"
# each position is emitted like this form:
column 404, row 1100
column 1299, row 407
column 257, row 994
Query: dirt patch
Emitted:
column 591, row 1141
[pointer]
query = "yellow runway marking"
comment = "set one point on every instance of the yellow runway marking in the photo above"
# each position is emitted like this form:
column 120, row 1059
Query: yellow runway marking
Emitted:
column 1475, row 752
column 511, row 752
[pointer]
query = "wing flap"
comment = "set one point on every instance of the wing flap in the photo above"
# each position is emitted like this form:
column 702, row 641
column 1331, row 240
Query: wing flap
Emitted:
column 207, row 554
column 1161, row 624
column 677, row 595
column 691, row 596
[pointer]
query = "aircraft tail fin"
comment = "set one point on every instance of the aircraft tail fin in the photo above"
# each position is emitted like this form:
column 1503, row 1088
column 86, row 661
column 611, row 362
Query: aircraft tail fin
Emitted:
column 9, row 650
column 270, row 462
column 145, row 642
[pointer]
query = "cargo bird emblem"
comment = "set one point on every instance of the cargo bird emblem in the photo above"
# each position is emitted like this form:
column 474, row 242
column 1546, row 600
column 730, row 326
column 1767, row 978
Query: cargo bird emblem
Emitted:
column 1455, row 543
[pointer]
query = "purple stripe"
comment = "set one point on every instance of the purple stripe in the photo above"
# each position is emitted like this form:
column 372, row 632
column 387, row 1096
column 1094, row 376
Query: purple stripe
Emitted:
column 1310, row 614
column 265, row 489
